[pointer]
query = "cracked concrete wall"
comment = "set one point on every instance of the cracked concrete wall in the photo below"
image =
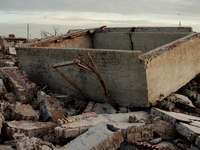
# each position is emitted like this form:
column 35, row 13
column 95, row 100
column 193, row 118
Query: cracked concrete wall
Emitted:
column 170, row 67
column 122, row 71
column 143, row 41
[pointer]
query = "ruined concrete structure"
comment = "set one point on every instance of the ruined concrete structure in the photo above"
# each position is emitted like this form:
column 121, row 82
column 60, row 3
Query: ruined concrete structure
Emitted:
column 140, row 66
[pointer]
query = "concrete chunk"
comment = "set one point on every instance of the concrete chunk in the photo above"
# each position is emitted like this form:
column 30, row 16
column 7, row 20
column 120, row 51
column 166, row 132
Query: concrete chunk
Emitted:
column 24, row 112
column 165, row 130
column 173, row 117
column 50, row 107
column 188, row 131
column 97, row 137
column 16, row 81
column 29, row 128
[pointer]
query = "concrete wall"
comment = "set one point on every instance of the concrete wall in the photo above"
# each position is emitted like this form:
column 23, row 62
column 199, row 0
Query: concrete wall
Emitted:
column 146, row 41
column 170, row 67
column 143, row 41
column 78, row 42
column 122, row 71
column 149, row 29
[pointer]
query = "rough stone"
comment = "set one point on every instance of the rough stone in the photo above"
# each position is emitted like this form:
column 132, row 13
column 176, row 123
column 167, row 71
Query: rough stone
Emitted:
column 3, row 89
column 10, row 97
column 182, row 102
column 139, row 133
column 50, row 107
column 29, row 128
column 188, row 131
column 155, row 141
column 165, row 130
column 97, row 137
column 26, row 143
column 24, row 112
column 104, row 108
column 16, row 81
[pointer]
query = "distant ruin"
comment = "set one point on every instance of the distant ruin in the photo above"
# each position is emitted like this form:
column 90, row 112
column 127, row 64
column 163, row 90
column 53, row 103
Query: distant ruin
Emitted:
column 140, row 65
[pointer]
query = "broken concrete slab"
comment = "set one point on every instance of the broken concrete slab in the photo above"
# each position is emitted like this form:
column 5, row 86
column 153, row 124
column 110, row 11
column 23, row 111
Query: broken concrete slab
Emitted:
column 101, row 137
column 75, row 125
column 50, row 107
column 16, row 81
column 173, row 117
column 29, row 128
column 188, row 131
column 24, row 112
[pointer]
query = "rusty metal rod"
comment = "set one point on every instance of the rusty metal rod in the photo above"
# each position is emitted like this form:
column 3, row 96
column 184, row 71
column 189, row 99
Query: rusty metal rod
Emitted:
column 101, row 81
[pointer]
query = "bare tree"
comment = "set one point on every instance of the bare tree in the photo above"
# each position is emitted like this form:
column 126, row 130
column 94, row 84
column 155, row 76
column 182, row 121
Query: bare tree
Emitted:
column 46, row 34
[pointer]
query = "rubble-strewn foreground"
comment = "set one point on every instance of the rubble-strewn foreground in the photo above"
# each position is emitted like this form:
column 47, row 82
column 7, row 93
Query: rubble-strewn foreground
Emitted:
column 35, row 117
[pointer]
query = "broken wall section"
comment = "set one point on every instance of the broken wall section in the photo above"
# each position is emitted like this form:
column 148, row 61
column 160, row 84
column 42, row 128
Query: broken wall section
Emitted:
column 170, row 67
column 144, row 41
column 122, row 71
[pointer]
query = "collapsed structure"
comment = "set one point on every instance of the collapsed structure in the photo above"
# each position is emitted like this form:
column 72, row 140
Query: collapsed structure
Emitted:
column 35, row 116
column 140, row 66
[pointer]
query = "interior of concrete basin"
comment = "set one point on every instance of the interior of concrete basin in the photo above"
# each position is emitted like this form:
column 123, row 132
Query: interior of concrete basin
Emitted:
column 142, row 39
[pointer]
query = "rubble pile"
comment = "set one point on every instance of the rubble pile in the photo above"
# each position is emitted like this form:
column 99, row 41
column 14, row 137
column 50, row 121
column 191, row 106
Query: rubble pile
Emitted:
column 34, row 117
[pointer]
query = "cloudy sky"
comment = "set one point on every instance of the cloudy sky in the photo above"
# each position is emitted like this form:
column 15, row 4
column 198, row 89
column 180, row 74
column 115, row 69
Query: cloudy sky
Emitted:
column 73, row 14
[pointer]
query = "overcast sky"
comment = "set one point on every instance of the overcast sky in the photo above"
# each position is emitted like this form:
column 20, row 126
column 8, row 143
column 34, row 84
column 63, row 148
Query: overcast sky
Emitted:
column 73, row 14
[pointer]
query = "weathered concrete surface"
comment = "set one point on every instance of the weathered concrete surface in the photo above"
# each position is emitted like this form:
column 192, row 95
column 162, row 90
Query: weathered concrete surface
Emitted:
column 122, row 79
column 143, row 41
column 149, row 29
column 188, row 131
column 51, row 108
column 76, row 125
column 24, row 112
column 97, row 137
column 78, row 42
column 29, row 128
column 165, row 130
column 140, row 133
column 133, row 79
column 164, row 66
column 173, row 117
column 16, row 81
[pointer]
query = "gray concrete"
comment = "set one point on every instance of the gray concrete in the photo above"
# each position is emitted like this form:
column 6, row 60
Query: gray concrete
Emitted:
column 126, row 82
column 149, row 29
column 133, row 78
column 143, row 41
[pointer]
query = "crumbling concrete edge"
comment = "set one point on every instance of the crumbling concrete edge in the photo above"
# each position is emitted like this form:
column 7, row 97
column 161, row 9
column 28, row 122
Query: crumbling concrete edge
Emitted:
column 147, row 57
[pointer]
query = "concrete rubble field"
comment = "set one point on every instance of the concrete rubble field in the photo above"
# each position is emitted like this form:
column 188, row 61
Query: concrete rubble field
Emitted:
column 103, row 89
